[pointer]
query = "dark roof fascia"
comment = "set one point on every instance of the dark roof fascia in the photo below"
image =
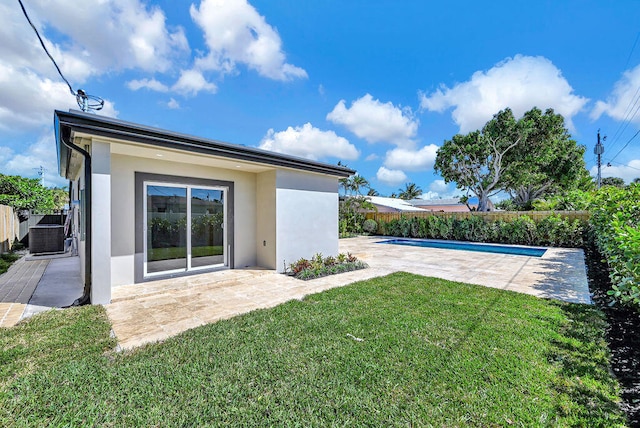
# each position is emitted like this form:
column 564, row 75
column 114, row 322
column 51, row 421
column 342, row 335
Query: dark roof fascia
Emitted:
column 118, row 129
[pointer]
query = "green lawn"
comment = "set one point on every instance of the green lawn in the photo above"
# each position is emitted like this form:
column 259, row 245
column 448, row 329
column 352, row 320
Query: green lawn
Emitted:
column 171, row 253
column 433, row 353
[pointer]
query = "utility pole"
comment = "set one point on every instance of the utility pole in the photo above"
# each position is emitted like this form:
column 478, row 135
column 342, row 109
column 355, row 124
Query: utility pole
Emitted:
column 599, row 150
column 41, row 171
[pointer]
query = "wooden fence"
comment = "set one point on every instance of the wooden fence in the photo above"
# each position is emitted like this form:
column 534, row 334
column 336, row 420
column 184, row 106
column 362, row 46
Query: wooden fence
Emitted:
column 9, row 228
column 489, row 216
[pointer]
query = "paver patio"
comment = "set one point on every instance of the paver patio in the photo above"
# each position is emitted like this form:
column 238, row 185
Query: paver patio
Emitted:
column 152, row 311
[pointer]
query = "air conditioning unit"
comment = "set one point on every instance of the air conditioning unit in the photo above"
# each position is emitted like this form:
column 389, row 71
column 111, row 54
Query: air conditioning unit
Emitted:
column 46, row 238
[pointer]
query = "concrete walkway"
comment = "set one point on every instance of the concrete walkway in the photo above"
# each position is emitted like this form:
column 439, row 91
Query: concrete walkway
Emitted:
column 148, row 312
column 38, row 283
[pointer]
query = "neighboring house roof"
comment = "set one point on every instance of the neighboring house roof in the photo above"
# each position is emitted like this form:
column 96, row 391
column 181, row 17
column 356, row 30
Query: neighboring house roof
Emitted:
column 75, row 121
column 393, row 203
column 439, row 202
column 449, row 205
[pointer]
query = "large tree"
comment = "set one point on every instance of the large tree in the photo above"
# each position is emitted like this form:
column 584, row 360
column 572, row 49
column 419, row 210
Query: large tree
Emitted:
column 475, row 161
column 546, row 162
column 528, row 158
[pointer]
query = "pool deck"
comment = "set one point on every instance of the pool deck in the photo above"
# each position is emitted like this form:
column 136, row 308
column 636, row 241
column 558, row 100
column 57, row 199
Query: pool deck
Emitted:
column 559, row 274
column 147, row 312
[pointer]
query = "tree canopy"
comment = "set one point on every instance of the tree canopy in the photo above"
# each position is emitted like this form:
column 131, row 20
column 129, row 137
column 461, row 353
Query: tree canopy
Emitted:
column 613, row 181
column 410, row 191
column 527, row 157
column 22, row 193
column 354, row 184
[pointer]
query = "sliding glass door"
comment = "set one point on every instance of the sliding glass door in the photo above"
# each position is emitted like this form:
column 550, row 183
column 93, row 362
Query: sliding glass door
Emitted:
column 184, row 228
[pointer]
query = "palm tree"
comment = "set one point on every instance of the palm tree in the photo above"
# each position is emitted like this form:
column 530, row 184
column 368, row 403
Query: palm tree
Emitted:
column 372, row 192
column 411, row 191
column 358, row 182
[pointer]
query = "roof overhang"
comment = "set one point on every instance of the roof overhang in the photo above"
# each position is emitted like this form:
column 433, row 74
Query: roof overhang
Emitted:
column 68, row 124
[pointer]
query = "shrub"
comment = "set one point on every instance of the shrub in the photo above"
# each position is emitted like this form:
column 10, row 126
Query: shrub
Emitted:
column 615, row 219
column 320, row 266
column 551, row 231
column 370, row 226
column 556, row 231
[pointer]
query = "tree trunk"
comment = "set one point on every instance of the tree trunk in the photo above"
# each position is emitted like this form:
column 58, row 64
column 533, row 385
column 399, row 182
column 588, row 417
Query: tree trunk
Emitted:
column 484, row 204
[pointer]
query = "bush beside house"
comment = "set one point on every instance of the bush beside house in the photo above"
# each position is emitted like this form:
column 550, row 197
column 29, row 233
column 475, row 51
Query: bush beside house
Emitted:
column 616, row 227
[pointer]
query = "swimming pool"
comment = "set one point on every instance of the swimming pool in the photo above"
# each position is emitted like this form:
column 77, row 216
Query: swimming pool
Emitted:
column 469, row 246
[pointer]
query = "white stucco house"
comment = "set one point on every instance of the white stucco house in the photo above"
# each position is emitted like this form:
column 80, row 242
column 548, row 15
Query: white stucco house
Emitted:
column 151, row 204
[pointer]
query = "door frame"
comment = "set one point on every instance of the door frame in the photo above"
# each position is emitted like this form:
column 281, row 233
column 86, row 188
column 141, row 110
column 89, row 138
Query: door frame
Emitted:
column 188, row 234
column 140, row 222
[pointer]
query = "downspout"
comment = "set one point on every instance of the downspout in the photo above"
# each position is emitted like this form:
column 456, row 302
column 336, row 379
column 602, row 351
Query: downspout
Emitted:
column 85, row 299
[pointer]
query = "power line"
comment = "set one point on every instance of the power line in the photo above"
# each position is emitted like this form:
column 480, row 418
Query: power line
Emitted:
column 626, row 120
column 85, row 101
column 45, row 49
column 623, row 165
column 632, row 103
column 625, row 146
column 632, row 49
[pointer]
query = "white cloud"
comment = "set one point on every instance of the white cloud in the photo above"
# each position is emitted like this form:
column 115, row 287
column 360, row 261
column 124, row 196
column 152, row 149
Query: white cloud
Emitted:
column 372, row 157
column 375, row 121
column 521, row 83
column 151, row 84
column 391, row 177
column 191, row 82
column 27, row 101
column 412, row 160
column 430, row 195
column 622, row 103
column 173, row 104
column 41, row 153
column 236, row 33
column 309, row 142
column 97, row 37
column 627, row 172
column 110, row 35
column 439, row 186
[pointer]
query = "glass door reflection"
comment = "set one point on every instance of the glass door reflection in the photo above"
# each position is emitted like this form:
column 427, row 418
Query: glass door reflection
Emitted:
column 207, row 227
column 166, row 228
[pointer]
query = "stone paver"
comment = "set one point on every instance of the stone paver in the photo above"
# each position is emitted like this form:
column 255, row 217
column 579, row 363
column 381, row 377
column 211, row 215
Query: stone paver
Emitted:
column 16, row 288
column 152, row 311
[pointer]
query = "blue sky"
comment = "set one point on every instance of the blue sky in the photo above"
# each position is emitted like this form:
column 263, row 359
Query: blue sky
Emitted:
column 378, row 85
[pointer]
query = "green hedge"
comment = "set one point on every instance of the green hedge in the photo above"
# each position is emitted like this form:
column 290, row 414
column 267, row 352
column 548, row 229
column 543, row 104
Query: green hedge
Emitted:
column 615, row 219
column 554, row 231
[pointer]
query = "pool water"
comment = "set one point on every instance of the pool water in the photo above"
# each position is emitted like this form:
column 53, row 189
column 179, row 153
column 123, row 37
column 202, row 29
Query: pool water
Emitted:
column 468, row 246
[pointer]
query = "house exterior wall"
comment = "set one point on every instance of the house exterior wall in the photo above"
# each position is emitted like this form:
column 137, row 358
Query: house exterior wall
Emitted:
column 123, row 209
column 306, row 216
column 101, row 223
column 266, row 219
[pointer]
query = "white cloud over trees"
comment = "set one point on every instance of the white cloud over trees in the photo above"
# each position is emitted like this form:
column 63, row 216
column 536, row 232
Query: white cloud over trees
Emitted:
column 391, row 177
column 520, row 83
